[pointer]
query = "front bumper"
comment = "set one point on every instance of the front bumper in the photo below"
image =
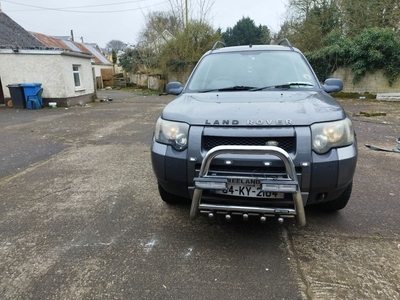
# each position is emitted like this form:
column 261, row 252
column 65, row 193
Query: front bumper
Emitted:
column 206, row 181
column 321, row 177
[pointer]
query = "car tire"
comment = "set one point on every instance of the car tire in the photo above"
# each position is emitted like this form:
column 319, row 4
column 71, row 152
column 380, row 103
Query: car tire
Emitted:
column 168, row 197
column 340, row 202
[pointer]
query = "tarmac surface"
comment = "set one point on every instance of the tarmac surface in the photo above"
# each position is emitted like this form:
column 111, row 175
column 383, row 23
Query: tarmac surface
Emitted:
column 81, row 218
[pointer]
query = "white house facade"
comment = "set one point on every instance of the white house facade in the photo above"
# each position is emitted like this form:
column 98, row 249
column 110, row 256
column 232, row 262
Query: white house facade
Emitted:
column 67, row 70
column 66, row 77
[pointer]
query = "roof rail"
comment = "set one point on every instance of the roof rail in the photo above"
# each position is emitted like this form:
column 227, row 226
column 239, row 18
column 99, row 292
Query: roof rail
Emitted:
column 216, row 45
column 285, row 40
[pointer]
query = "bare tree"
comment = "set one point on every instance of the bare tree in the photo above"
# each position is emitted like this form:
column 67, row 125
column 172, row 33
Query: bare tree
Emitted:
column 361, row 14
column 156, row 24
column 168, row 30
column 309, row 21
column 159, row 28
column 199, row 10
column 116, row 45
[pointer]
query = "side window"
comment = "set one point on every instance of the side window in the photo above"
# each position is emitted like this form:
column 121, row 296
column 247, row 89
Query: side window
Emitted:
column 77, row 77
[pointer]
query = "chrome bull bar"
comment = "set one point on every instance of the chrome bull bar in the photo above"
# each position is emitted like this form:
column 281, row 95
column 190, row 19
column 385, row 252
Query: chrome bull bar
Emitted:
column 290, row 185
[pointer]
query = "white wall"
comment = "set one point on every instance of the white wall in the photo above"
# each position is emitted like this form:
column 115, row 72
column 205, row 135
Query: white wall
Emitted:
column 51, row 68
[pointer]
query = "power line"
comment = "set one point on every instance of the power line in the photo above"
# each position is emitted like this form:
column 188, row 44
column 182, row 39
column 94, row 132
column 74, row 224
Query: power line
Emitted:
column 86, row 6
column 68, row 9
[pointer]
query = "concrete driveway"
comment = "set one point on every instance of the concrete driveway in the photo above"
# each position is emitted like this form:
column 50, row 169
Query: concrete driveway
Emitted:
column 80, row 217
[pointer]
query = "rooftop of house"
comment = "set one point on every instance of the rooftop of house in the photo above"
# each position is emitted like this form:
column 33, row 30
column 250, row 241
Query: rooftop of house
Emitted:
column 68, row 45
column 13, row 36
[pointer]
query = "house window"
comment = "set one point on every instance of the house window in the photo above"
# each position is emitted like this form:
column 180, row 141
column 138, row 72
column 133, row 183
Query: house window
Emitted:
column 77, row 77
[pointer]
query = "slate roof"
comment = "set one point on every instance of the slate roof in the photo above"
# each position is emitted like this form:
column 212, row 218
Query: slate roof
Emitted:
column 12, row 34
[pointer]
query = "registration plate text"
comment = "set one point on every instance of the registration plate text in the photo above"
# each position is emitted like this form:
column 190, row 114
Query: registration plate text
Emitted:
column 240, row 188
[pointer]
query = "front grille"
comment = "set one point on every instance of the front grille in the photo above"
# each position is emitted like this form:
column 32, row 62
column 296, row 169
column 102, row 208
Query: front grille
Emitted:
column 286, row 143
column 246, row 169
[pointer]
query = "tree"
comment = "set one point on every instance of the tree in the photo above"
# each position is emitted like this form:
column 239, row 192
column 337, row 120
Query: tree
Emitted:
column 309, row 21
column 361, row 14
column 245, row 32
column 265, row 35
column 156, row 24
column 115, row 45
column 189, row 45
column 167, row 30
column 160, row 27
column 374, row 49
column 114, row 56
column 129, row 59
column 199, row 11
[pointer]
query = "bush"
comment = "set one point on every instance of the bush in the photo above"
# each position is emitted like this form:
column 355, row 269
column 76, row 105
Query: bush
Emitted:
column 372, row 50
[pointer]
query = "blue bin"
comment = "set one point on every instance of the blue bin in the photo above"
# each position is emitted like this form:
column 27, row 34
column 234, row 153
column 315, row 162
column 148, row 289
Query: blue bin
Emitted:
column 33, row 95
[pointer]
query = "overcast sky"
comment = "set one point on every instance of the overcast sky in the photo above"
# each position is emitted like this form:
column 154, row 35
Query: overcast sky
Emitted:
column 99, row 21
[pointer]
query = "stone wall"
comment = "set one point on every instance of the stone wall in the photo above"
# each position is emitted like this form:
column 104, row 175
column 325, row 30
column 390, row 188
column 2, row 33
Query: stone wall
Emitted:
column 181, row 75
column 154, row 82
column 372, row 83
column 138, row 79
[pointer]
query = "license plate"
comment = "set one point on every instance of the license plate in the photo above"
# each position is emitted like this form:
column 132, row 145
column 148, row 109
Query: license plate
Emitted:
column 240, row 188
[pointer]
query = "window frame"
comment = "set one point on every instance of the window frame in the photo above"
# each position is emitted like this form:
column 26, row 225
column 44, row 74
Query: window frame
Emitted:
column 77, row 76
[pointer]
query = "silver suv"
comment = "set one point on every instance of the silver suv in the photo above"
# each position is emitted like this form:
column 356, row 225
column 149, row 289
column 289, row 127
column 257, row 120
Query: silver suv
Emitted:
column 254, row 133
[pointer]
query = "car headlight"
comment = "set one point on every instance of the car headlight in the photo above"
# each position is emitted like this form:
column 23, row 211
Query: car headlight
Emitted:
column 326, row 136
column 172, row 133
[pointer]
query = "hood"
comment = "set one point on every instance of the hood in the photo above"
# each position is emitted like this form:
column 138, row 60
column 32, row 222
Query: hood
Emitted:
column 266, row 108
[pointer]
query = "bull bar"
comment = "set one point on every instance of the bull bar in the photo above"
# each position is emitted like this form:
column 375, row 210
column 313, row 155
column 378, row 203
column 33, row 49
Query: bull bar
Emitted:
column 289, row 185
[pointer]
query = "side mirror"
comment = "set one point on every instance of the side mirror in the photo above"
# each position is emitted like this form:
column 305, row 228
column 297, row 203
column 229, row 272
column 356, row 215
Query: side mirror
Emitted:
column 333, row 85
column 174, row 88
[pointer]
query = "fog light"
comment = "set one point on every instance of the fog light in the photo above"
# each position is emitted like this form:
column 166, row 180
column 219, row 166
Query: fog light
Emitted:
column 282, row 186
column 209, row 183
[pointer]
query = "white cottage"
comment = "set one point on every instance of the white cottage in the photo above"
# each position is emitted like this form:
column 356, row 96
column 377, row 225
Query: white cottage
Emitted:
column 64, row 68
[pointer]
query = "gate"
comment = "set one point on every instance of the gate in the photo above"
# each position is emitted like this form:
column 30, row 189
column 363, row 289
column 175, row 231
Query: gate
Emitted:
column 108, row 77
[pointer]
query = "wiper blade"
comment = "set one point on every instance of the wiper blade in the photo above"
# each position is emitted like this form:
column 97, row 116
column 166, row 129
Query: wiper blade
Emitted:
column 231, row 88
column 283, row 86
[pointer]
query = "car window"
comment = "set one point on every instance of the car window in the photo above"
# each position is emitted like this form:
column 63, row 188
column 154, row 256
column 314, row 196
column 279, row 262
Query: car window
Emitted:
column 251, row 69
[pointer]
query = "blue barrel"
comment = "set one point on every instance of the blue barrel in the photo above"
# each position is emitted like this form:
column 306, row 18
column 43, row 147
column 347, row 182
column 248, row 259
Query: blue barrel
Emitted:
column 31, row 89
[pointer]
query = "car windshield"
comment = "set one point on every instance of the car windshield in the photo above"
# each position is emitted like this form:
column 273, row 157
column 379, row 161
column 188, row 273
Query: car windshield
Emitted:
column 251, row 71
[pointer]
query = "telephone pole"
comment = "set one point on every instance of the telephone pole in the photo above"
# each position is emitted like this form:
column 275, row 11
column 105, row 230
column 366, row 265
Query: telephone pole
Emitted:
column 186, row 14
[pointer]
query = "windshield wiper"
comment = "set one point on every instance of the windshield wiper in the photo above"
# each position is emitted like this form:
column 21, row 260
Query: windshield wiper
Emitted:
column 231, row 88
column 282, row 86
